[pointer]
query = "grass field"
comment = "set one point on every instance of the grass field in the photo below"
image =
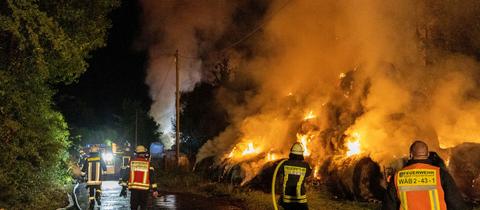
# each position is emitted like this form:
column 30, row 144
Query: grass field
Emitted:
column 318, row 198
column 247, row 198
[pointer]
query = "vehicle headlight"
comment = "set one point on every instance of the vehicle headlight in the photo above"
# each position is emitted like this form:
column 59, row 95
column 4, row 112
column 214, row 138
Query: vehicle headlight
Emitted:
column 107, row 156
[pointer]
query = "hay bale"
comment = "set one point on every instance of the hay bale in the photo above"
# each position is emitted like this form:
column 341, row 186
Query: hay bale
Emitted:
column 354, row 178
column 465, row 168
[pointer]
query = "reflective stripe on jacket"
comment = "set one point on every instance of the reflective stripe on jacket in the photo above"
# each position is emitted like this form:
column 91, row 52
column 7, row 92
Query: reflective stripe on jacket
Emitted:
column 93, row 167
column 419, row 187
column 139, row 174
column 294, row 174
column 125, row 161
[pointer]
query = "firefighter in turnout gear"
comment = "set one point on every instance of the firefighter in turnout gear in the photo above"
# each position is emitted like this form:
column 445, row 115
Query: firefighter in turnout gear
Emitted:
column 421, row 185
column 140, row 179
column 126, row 156
column 93, row 167
column 295, row 171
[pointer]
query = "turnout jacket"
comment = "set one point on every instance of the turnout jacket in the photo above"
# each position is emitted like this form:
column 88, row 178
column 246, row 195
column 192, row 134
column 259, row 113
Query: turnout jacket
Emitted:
column 139, row 175
column 421, row 185
column 93, row 167
column 294, row 174
column 126, row 157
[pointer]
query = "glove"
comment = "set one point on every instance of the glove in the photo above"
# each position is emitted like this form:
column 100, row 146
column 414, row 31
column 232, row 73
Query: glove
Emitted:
column 123, row 192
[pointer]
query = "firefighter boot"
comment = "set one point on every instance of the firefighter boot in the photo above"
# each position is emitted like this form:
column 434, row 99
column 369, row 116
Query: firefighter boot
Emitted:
column 123, row 193
column 91, row 204
column 98, row 195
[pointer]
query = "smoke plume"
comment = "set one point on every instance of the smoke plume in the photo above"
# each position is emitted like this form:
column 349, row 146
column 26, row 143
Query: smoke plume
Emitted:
column 383, row 72
column 343, row 77
column 192, row 27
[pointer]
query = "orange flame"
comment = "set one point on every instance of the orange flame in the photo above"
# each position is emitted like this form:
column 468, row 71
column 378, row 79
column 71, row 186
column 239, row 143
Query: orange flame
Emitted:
column 303, row 139
column 309, row 116
column 353, row 145
column 315, row 172
column 232, row 152
column 249, row 150
column 271, row 156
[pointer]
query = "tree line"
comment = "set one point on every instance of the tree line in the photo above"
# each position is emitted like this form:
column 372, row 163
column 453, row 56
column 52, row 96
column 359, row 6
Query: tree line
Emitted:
column 42, row 44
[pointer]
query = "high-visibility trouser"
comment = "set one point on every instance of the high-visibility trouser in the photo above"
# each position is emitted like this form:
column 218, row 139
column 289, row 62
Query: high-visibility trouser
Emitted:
column 295, row 199
column 138, row 186
column 95, row 192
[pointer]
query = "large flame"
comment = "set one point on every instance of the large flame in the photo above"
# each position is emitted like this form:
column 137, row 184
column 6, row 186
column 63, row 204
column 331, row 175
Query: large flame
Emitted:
column 304, row 139
column 353, row 145
column 243, row 150
column 355, row 99
column 249, row 150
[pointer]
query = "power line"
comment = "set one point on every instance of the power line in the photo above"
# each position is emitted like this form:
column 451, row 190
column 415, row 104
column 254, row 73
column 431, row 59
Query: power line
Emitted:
column 179, row 55
column 259, row 26
column 165, row 78
column 187, row 56
column 247, row 36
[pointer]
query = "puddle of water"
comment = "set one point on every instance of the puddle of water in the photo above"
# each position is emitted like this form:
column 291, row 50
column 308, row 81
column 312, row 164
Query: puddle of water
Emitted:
column 110, row 198
column 190, row 202
column 166, row 201
column 112, row 201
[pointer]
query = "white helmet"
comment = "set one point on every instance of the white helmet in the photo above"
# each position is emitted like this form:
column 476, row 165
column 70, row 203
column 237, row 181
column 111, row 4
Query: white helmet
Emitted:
column 297, row 149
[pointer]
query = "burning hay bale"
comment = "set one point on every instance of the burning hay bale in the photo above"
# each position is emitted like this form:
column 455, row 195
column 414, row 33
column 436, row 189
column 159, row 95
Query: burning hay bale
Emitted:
column 235, row 173
column 464, row 165
column 208, row 169
column 354, row 178
column 263, row 181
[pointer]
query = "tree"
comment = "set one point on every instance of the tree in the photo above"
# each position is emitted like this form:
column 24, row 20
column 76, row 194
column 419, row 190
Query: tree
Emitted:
column 133, row 113
column 202, row 118
column 42, row 43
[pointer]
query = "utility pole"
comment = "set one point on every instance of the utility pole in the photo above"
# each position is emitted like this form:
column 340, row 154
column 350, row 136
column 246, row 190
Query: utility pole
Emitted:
column 136, row 127
column 177, row 109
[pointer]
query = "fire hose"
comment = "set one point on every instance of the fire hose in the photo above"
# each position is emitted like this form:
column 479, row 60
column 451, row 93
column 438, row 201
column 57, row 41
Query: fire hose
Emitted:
column 274, row 200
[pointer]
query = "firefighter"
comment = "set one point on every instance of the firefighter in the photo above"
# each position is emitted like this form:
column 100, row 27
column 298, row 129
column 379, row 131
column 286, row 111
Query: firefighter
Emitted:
column 421, row 185
column 82, row 157
column 126, row 156
column 92, row 168
column 295, row 171
column 140, row 179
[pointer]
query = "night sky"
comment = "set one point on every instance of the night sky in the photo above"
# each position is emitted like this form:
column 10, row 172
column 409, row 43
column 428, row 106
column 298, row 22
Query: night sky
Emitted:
column 116, row 72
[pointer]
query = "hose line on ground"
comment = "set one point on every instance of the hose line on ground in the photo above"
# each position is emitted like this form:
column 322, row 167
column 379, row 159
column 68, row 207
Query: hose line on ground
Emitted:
column 274, row 201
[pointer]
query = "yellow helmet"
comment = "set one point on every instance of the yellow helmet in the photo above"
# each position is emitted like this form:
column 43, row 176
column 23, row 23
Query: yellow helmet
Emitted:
column 297, row 149
column 140, row 149
column 94, row 149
